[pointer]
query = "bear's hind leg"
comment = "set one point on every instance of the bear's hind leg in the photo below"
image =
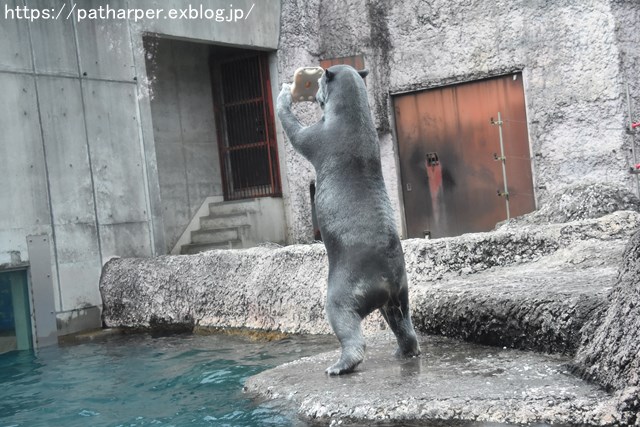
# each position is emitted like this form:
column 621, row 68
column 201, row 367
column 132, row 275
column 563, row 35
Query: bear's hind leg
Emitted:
column 345, row 322
column 398, row 318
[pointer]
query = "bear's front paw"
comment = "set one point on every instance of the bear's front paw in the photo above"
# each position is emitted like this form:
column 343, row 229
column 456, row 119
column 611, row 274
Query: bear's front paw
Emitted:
column 284, row 98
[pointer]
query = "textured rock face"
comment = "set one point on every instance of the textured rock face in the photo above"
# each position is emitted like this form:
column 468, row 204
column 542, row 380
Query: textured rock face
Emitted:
column 262, row 288
column 530, row 288
column 611, row 355
column 579, row 201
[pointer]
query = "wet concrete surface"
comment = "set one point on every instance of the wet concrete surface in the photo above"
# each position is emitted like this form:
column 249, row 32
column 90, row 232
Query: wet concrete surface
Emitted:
column 452, row 383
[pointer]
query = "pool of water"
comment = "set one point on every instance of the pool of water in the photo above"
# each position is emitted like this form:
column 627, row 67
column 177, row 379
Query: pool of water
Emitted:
column 139, row 380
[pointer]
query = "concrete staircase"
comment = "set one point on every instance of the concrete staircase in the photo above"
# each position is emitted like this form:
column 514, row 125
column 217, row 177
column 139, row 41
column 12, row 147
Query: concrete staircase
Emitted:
column 224, row 228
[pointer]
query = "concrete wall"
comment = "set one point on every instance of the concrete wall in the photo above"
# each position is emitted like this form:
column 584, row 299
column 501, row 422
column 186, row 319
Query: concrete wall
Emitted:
column 77, row 153
column 184, row 130
column 573, row 57
column 266, row 223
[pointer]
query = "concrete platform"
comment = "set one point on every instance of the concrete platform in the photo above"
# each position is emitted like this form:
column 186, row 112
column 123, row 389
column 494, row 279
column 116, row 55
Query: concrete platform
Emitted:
column 452, row 383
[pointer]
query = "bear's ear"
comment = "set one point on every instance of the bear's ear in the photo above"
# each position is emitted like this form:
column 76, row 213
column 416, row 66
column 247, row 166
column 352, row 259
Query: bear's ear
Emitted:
column 363, row 73
column 328, row 74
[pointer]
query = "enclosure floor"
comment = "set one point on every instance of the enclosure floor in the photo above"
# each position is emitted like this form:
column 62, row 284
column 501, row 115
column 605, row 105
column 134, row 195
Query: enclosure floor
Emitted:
column 465, row 384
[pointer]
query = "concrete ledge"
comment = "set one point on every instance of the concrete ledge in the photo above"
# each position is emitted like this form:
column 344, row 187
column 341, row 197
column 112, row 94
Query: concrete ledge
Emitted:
column 452, row 381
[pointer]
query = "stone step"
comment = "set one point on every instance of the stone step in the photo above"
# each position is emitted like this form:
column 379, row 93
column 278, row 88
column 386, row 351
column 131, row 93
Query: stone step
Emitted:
column 224, row 221
column 231, row 208
column 195, row 248
column 219, row 235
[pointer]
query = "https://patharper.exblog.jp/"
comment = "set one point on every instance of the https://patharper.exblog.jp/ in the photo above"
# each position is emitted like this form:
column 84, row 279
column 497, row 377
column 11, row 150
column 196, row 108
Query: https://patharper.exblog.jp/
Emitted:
column 78, row 13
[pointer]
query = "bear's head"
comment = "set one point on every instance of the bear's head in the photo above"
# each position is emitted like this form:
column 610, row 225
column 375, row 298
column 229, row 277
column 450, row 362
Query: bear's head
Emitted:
column 341, row 82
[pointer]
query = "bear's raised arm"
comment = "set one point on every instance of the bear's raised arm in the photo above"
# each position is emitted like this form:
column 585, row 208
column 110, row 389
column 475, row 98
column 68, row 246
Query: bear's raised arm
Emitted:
column 300, row 136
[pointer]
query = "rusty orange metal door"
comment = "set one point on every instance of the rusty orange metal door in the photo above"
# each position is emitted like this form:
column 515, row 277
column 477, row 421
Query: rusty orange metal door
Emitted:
column 450, row 156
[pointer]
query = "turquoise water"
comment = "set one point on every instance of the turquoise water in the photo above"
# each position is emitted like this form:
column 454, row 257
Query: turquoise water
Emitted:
column 138, row 380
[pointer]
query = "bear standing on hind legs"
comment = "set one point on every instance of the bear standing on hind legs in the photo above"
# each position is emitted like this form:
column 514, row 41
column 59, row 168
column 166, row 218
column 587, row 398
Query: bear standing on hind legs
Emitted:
column 366, row 263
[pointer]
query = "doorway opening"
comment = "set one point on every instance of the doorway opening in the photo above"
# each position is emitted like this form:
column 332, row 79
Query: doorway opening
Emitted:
column 214, row 137
column 15, row 312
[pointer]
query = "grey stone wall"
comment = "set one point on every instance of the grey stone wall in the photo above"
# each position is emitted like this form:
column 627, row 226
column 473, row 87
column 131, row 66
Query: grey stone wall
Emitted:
column 575, row 58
